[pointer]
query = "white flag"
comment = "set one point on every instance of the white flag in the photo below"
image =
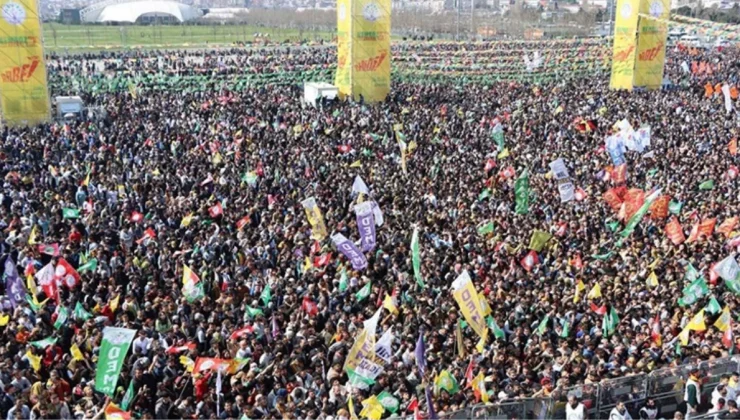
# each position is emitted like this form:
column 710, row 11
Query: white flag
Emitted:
column 371, row 324
column 567, row 192
column 728, row 100
column 359, row 186
column 558, row 168
column 377, row 214
column 728, row 269
column 383, row 347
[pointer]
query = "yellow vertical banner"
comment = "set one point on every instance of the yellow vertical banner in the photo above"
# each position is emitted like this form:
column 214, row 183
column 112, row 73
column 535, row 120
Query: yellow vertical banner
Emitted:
column 651, row 43
column 344, row 55
column 368, row 49
column 625, row 44
column 24, row 97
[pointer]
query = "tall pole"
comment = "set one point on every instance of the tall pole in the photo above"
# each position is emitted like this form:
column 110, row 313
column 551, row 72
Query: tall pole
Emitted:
column 472, row 17
column 611, row 5
column 457, row 32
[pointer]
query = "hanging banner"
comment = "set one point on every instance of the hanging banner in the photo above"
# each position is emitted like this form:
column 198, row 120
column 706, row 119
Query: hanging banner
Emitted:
column 625, row 44
column 113, row 350
column 344, row 57
column 366, row 225
column 369, row 48
column 24, row 96
column 652, row 37
column 313, row 214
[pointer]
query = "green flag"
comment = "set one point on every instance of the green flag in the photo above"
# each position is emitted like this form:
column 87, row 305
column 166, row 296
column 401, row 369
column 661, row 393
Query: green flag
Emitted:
column 68, row 213
column 691, row 273
column 543, row 325
column 388, row 401
column 364, row 292
column 713, row 306
column 253, row 312
column 497, row 332
column 566, row 329
column 91, row 265
column 445, row 381
column 416, row 257
column 639, row 214
column 192, row 292
column 707, row 185
column 32, row 304
column 266, row 295
column 498, row 136
column 675, row 207
column 116, row 342
column 42, row 344
column 610, row 322
column 484, row 194
column 128, row 397
column 603, row 257
column 62, row 316
column 80, row 313
column 485, row 228
column 521, row 193
column 357, row 380
column 693, row 292
column 343, row 283
column 613, row 226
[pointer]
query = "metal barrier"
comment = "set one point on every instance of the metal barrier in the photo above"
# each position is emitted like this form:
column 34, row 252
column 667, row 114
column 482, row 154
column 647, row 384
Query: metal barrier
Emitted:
column 629, row 388
column 665, row 386
column 587, row 394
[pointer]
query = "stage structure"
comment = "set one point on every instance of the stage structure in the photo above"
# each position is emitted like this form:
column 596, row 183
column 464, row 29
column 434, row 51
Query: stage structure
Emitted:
column 364, row 49
column 640, row 36
column 24, row 96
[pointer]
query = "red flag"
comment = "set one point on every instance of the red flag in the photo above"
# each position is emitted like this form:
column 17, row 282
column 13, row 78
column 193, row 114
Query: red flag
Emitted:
column 242, row 222
column 413, row 405
column 713, row 275
column 706, row 227
column 30, row 269
column 216, row 210
column 659, row 208
column 732, row 147
column 577, row 262
column 260, row 169
column 490, row 164
column 270, row 200
column 674, row 231
column 52, row 249
column 613, row 198
column 508, row 172
column 345, row 148
column 633, row 200
column 241, row 332
column 315, row 247
column 619, row 174
column 529, row 260
column 148, row 234
column 728, row 226
column 600, row 310
column 655, row 331
column 694, row 234
column 66, row 274
column 322, row 260
column 580, row 194
column 469, row 373
column 136, row 217
column 179, row 349
column 727, row 336
column 732, row 172
column 309, row 306
column 211, row 364
column 562, row 227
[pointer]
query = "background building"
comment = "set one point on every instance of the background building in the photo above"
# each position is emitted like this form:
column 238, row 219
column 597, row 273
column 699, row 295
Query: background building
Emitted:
column 139, row 11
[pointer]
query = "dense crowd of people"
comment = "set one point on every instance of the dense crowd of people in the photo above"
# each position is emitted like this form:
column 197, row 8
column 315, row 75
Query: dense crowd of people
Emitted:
column 213, row 181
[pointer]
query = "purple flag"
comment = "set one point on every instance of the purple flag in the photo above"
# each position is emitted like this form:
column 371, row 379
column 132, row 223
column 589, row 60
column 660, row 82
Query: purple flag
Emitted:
column 346, row 247
column 366, row 224
column 430, row 404
column 419, row 352
column 275, row 329
column 14, row 287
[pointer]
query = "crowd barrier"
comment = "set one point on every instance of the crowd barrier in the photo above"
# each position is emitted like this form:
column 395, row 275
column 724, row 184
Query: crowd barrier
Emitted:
column 665, row 386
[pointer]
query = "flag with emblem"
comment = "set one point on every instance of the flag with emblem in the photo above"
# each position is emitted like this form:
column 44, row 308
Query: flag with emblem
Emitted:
column 446, row 382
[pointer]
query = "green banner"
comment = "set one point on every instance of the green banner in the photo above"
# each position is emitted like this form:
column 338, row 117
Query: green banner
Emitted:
column 113, row 350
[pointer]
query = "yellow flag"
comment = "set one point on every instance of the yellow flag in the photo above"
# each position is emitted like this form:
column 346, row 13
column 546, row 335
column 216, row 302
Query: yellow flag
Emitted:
column 372, row 408
column 539, row 239
column 579, row 288
column 76, row 353
column 351, row 406
column 684, row 336
column 187, row 363
column 4, row 319
column 307, row 265
column 595, row 291
column 33, row 235
column 481, row 346
column 156, row 172
column 389, row 304
column 114, row 302
column 189, row 276
column 186, row 220
column 654, row 263
column 652, row 280
column 356, row 164
column 723, row 322
column 479, row 387
column 217, row 158
column 34, row 360
column 86, row 181
column 504, row 153
column 697, row 322
column 484, row 304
